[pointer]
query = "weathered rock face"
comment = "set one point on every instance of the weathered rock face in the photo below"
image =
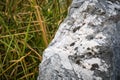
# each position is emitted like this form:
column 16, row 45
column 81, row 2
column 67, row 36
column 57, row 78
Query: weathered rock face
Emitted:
column 86, row 45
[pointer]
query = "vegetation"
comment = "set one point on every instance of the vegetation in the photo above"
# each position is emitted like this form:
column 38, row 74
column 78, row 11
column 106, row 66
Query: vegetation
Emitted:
column 26, row 28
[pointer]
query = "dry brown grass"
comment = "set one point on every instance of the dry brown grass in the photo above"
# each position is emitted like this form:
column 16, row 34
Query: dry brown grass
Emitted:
column 26, row 28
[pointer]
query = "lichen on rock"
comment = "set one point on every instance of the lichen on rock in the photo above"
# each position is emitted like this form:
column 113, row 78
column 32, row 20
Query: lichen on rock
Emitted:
column 86, row 45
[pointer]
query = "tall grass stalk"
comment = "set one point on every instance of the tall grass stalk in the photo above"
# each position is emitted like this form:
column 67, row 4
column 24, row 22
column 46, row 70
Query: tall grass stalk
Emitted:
column 26, row 28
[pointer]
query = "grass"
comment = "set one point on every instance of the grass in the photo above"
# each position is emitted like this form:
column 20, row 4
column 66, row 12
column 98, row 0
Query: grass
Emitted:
column 26, row 29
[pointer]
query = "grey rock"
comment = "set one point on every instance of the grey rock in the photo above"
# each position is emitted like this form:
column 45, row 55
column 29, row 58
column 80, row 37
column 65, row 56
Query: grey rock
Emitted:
column 86, row 45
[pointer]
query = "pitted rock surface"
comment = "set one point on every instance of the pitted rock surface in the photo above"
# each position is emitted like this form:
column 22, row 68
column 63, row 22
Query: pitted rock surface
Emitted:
column 86, row 45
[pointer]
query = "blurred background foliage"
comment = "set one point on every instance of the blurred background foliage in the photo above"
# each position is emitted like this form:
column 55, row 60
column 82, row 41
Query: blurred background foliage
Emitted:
column 26, row 29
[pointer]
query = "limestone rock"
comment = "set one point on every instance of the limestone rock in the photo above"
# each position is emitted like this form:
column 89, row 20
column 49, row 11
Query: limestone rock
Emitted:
column 86, row 45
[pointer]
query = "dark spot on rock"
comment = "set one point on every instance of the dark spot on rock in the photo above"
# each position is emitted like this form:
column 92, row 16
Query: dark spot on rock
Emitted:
column 103, row 13
column 97, row 47
column 82, row 56
column 88, row 48
column 95, row 56
column 72, row 44
column 78, row 62
column 92, row 50
column 95, row 52
column 70, row 23
column 75, row 57
column 91, row 24
column 76, row 48
column 59, row 76
column 94, row 66
column 83, row 66
column 83, row 24
column 65, row 47
column 78, row 38
column 89, row 53
column 89, row 37
column 56, row 71
column 98, row 56
column 80, row 44
column 100, row 53
column 83, row 47
column 75, row 53
column 117, row 9
column 76, row 5
column 100, row 12
column 115, row 18
column 100, row 37
column 76, row 28
column 70, row 56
